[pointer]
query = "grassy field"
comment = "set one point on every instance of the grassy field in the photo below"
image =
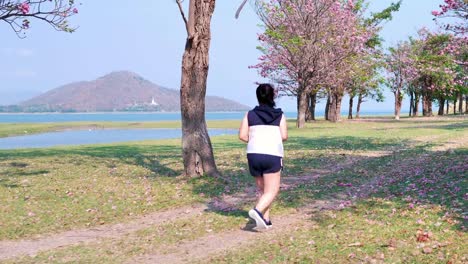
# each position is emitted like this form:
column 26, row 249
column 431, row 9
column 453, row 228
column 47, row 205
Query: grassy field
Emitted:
column 407, row 182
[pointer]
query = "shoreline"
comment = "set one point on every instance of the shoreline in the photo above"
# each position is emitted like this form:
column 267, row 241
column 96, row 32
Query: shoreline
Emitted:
column 10, row 129
column 169, row 112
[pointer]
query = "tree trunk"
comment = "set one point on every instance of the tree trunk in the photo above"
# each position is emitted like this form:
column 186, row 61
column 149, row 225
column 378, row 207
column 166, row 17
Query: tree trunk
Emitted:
column 455, row 105
column 308, row 115
column 327, row 108
column 313, row 104
column 466, row 104
column 416, row 105
column 398, row 100
column 427, row 104
column 411, row 104
column 460, row 104
column 441, row 106
column 359, row 102
column 334, row 111
column 350, row 110
column 447, row 107
column 301, row 108
column 423, row 102
column 196, row 144
column 339, row 101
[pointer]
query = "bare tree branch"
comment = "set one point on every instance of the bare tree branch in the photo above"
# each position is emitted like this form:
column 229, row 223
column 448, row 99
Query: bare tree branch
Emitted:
column 54, row 12
column 240, row 9
column 179, row 3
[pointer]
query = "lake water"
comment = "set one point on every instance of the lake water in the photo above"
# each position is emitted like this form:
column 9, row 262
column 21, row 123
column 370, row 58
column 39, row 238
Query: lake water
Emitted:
column 130, row 117
column 80, row 137
column 115, row 117
column 83, row 137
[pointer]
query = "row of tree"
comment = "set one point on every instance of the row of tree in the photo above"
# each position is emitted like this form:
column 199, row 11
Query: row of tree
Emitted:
column 324, row 49
column 312, row 49
column 433, row 66
column 430, row 68
column 315, row 49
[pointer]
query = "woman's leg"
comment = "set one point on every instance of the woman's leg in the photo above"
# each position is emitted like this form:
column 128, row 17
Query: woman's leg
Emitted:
column 260, row 186
column 271, row 185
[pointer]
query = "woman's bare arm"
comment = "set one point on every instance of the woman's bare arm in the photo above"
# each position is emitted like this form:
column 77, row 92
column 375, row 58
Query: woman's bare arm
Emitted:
column 244, row 130
column 284, row 128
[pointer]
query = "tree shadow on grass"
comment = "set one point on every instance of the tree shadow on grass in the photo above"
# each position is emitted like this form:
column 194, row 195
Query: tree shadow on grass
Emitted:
column 294, row 165
column 433, row 178
column 14, row 171
column 28, row 173
column 8, row 184
column 405, row 119
column 416, row 173
column 324, row 143
column 417, row 176
column 146, row 156
column 297, row 164
column 451, row 127
column 343, row 143
column 18, row 164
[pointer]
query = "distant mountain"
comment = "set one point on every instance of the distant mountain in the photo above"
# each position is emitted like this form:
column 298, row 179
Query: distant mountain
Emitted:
column 119, row 91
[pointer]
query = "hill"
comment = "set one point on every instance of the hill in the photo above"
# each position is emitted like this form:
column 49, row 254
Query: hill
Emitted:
column 119, row 91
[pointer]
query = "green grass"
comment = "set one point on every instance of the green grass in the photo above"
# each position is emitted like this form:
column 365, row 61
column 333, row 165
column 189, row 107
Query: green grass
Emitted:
column 56, row 189
column 373, row 231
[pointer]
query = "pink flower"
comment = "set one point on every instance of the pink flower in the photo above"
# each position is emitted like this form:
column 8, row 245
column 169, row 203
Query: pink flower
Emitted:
column 75, row 10
column 24, row 8
column 435, row 13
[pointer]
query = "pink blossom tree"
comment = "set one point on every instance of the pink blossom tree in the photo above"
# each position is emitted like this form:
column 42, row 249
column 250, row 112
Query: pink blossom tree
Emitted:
column 455, row 9
column 365, row 81
column 307, row 45
column 431, row 66
column 19, row 14
column 437, row 66
column 401, row 71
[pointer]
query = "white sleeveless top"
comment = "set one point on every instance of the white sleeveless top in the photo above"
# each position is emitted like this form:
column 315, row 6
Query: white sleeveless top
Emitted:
column 265, row 139
column 264, row 131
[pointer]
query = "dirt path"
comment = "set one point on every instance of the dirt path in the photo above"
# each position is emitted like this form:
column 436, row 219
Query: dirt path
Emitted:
column 11, row 249
column 218, row 243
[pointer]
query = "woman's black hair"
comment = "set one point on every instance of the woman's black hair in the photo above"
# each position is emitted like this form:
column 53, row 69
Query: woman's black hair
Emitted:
column 266, row 95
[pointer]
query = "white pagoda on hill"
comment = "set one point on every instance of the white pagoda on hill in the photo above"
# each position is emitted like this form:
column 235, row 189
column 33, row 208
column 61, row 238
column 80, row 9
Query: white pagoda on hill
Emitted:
column 153, row 102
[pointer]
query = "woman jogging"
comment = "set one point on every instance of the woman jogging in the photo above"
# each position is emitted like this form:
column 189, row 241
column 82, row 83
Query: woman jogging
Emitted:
column 264, row 130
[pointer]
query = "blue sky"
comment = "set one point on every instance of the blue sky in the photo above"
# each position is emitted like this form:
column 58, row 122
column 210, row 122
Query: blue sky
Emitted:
column 148, row 37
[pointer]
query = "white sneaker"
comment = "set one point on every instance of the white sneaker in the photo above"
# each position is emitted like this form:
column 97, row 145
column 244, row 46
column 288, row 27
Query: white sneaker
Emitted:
column 258, row 217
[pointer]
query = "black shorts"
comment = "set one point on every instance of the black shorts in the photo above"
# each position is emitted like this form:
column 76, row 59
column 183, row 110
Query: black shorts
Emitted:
column 260, row 164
